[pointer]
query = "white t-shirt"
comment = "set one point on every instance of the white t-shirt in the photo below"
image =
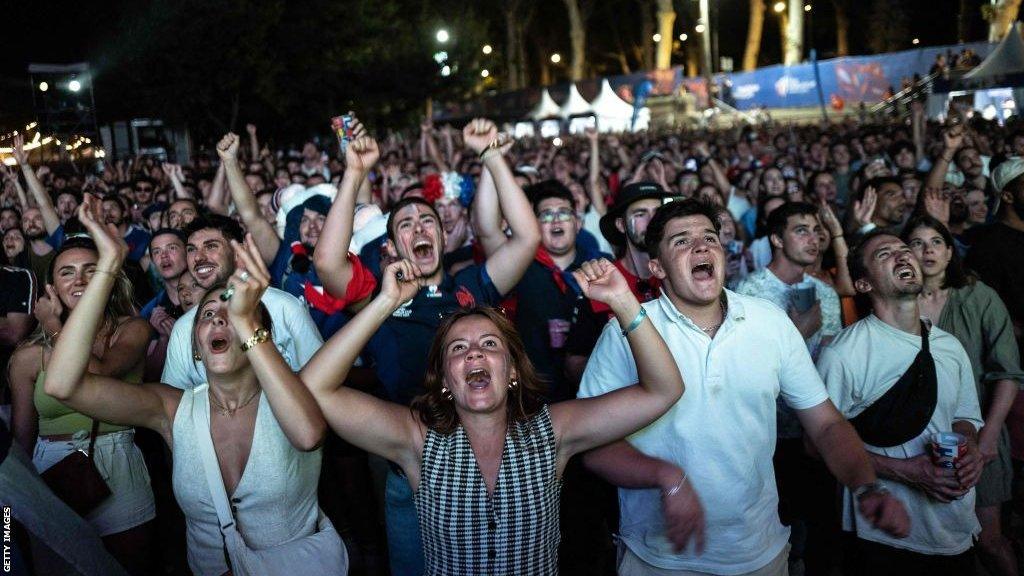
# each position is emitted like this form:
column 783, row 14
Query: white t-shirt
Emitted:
column 293, row 332
column 862, row 364
column 765, row 284
column 592, row 224
column 722, row 430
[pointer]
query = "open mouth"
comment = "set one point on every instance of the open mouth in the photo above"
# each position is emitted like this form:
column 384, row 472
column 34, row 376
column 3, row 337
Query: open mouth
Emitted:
column 703, row 271
column 77, row 293
column 905, row 272
column 219, row 345
column 423, row 249
column 558, row 232
column 478, row 379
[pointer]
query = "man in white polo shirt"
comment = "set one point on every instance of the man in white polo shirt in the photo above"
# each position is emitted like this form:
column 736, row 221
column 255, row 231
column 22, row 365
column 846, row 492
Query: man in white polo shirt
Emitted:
column 698, row 491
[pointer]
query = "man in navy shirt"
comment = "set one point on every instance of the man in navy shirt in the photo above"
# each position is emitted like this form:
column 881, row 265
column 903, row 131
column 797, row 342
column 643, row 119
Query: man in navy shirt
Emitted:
column 398, row 352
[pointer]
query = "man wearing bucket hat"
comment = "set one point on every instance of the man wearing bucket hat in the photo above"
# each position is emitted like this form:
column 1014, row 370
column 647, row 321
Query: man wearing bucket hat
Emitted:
column 903, row 384
column 624, row 226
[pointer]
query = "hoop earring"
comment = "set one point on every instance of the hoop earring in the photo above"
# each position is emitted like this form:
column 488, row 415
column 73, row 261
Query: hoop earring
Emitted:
column 447, row 394
column 196, row 356
column 513, row 383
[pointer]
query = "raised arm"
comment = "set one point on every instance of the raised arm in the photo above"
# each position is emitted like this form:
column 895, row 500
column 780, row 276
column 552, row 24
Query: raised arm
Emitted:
column 586, row 423
column 331, row 255
column 372, row 424
column 486, row 218
column 173, row 171
column 101, row 397
column 595, row 186
column 50, row 218
column 254, row 145
column 507, row 265
column 952, row 139
column 263, row 233
column 843, row 281
column 217, row 201
column 292, row 404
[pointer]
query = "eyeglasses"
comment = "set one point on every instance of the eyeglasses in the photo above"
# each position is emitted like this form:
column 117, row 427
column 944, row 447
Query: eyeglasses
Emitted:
column 143, row 188
column 549, row 216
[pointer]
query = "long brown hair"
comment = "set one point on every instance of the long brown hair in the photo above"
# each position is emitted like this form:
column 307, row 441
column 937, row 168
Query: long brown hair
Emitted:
column 437, row 412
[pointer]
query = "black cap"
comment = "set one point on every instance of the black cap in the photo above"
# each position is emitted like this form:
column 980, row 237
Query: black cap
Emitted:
column 629, row 194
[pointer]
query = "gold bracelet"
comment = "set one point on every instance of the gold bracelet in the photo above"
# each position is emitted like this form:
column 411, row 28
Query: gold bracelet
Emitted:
column 260, row 336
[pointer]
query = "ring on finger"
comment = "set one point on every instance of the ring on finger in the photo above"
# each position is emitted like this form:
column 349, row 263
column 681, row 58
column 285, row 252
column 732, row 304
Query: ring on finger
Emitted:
column 228, row 293
column 244, row 276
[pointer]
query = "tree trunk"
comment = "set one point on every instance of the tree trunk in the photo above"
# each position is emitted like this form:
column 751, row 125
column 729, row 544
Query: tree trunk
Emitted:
column 578, row 39
column 961, row 21
column 512, row 49
column 646, row 35
column 794, row 43
column 666, row 18
column 842, row 28
column 754, row 30
column 1002, row 19
column 693, row 60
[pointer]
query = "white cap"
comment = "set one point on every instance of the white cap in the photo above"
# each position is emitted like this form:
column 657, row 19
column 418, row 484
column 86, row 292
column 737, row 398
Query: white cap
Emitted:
column 1007, row 171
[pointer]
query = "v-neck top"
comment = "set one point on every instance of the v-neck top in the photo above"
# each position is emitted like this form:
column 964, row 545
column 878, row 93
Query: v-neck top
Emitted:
column 512, row 531
column 275, row 501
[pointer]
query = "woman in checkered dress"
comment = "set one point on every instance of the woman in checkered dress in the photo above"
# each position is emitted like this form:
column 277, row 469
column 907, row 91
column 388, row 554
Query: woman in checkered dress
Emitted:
column 482, row 453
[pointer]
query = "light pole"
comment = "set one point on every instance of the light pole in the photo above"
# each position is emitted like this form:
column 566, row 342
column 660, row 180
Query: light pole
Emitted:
column 705, row 43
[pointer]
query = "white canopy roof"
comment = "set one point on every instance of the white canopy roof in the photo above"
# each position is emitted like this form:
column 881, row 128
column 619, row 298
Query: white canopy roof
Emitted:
column 613, row 113
column 1007, row 58
column 574, row 104
column 546, row 108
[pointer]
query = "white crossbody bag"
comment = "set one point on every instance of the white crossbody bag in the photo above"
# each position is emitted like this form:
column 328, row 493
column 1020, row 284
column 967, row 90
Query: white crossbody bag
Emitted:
column 322, row 553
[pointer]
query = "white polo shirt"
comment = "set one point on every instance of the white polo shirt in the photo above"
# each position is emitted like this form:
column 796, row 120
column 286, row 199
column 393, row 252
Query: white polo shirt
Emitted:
column 293, row 332
column 722, row 430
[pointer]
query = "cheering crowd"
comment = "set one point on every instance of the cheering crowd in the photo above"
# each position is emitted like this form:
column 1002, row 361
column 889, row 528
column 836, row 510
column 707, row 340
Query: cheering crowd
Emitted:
column 448, row 354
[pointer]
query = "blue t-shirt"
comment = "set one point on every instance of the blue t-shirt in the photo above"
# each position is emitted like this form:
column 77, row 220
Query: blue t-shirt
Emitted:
column 398, row 350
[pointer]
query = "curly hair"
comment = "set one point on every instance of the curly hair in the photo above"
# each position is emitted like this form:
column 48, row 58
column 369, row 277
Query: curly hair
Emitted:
column 437, row 411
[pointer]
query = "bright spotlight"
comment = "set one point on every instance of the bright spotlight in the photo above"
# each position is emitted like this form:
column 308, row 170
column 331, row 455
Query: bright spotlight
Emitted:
column 487, row 49
column 43, row 86
column 485, row 73
column 446, row 71
column 74, row 85
column 699, row 28
column 780, row 7
column 807, row 7
column 442, row 36
column 556, row 58
column 683, row 37
column 656, row 37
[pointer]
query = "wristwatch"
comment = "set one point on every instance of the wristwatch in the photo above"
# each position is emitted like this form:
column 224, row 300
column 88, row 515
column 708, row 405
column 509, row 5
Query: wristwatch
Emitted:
column 869, row 488
column 260, row 336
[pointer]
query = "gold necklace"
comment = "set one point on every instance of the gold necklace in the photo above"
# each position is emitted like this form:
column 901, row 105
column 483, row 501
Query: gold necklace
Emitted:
column 224, row 410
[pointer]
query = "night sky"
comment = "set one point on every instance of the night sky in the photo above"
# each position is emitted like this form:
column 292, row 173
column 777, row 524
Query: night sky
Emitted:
column 61, row 31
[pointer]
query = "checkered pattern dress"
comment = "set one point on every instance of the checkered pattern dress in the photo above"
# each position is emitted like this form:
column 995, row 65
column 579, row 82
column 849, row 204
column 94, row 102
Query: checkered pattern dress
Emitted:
column 512, row 532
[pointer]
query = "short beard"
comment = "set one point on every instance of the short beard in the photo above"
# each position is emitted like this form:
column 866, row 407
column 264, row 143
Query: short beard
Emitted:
column 34, row 237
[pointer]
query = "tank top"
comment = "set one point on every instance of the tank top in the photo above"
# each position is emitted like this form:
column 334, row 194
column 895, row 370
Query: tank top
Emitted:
column 56, row 418
column 513, row 531
column 275, row 501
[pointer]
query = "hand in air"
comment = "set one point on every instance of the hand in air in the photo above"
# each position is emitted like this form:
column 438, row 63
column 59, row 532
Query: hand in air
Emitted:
column 401, row 281
column 600, row 280
column 109, row 243
column 248, row 283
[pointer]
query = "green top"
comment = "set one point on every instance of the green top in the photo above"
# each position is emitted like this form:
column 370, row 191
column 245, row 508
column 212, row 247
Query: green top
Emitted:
column 980, row 321
column 56, row 418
